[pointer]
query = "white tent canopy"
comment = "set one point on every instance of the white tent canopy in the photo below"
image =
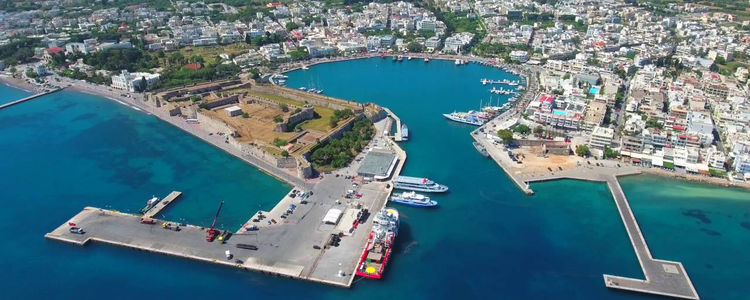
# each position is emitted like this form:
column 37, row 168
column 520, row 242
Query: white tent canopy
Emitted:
column 332, row 216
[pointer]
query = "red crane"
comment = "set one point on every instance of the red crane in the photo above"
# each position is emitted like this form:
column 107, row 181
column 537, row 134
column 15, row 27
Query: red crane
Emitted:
column 212, row 233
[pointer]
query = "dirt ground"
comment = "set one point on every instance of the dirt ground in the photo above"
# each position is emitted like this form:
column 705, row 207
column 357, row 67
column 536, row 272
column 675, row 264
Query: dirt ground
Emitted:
column 532, row 163
column 258, row 127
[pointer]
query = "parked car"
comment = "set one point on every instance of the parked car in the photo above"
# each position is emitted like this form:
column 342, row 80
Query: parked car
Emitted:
column 77, row 230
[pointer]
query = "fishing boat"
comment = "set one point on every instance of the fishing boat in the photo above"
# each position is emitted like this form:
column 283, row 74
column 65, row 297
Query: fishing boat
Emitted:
column 426, row 59
column 404, row 132
column 413, row 199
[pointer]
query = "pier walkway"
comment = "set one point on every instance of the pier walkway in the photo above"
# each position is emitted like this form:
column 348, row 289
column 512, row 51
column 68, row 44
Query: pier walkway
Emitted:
column 665, row 278
column 162, row 204
column 397, row 137
column 9, row 104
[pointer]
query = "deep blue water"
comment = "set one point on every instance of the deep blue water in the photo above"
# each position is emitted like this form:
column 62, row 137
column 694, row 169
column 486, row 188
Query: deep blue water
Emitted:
column 486, row 240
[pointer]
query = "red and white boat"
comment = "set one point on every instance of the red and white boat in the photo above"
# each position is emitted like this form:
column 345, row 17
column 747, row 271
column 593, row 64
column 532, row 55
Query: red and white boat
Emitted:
column 379, row 245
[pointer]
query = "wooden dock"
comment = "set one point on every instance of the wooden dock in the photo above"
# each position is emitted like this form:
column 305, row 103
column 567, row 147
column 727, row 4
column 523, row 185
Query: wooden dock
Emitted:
column 9, row 104
column 161, row 205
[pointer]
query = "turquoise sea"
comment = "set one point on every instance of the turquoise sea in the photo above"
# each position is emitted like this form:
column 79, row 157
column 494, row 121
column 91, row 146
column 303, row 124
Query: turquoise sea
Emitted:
column 69, row 150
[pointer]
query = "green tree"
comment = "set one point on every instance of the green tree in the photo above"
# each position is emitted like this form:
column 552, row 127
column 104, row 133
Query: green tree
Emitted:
column 414, row 47
column 299, row 54
column 291, row 26
column 245, row 115
column 506, row 135
column 278, row 142
column 609, row 153
column 278, row 119
column 583, row 151
column 285, row 153
column 522, row 129
column 538, row 130
column 284, row 107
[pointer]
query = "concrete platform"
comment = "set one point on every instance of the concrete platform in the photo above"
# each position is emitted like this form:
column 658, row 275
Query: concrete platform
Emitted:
column 295, row 246
column 663, row 277
column 161, row 205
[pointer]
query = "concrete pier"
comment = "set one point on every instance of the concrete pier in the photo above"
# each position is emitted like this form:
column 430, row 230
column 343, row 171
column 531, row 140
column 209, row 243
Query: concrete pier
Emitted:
column 9, row 104
column 162, row 204
column 295, row 244
column 397, row 137
column 666, row 278
column 663, row 277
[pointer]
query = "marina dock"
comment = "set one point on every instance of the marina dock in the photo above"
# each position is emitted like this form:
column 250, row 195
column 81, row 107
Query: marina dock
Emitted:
column 397, row 137
column 151, row 213
column 9, row 104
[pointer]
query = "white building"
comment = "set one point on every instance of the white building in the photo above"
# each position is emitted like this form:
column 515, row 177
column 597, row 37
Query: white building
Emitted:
column 601, row 137
column 519, row 55
column 132, row 81
column 233, row 111
column 742, row 164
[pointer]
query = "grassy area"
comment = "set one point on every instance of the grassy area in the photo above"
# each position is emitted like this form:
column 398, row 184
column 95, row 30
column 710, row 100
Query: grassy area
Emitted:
column 272, row 150
column 322, row 123
column 276, row 98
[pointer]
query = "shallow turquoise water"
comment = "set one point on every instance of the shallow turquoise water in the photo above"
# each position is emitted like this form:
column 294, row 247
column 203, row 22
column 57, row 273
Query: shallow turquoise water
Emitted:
column 486, row 240
column 8, row 94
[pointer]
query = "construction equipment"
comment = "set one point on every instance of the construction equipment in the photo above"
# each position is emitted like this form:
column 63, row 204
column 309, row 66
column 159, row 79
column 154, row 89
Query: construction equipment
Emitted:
column 211, row 232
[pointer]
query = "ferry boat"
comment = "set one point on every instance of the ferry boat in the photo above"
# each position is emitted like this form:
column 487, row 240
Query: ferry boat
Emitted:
column 404, row 132
column 418, row 184
column 413, row 199
column 471, row 117
column 481, row 149
column 379, row 245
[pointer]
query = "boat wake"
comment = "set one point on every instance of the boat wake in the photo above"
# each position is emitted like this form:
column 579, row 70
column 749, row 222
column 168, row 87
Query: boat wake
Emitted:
column 408, row 247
